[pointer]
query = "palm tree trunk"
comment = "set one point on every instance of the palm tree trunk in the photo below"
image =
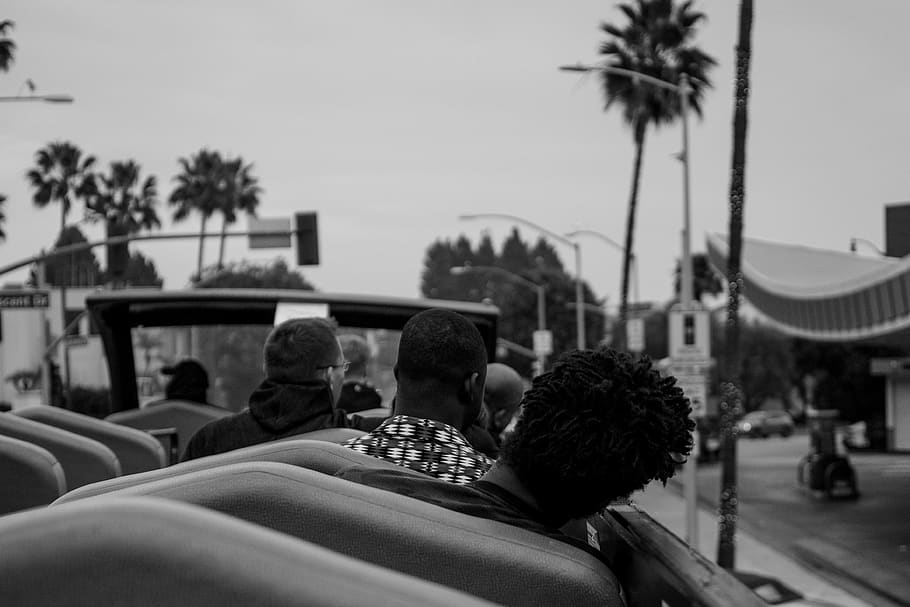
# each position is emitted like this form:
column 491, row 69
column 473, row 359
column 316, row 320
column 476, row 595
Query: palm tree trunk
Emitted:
column 221, row 244
column 630, row 233
column 731, row 393
column 201, row 244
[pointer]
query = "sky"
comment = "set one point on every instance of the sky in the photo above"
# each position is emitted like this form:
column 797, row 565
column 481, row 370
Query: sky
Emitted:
column 390, row 119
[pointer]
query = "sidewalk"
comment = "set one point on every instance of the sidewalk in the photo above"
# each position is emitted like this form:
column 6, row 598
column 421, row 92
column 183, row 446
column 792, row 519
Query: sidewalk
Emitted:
column 667, row 507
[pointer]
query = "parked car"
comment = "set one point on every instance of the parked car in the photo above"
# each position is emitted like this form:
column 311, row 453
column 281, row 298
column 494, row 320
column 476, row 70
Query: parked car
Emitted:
column 762, row 424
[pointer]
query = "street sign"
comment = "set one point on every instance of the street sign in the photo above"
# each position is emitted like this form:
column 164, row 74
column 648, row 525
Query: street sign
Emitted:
column 692, row 376
column 696, row 390
column 543, row 342
column 11, row 300
column 635, row 334
column 270, row 238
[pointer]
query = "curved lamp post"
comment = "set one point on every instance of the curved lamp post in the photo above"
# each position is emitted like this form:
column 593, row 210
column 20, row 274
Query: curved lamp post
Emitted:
column 540, row 289
column 683, row 90
column 615, row 245
column 579, row 289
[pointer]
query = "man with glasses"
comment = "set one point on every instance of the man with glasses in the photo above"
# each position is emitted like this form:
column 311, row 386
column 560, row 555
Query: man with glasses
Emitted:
column 304, row 371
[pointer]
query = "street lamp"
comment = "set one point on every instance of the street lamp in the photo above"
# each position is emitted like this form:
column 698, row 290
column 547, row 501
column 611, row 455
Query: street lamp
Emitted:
column 683, row 90
column 633, row 259
column 541, row 296
column 45, row 98
column 579, row 289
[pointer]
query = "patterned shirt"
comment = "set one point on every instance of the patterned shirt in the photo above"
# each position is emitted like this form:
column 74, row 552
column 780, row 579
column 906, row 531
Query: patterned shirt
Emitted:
column 424, row 445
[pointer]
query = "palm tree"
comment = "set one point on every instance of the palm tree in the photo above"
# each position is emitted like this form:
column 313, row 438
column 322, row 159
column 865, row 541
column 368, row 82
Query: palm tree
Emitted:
column 7, row 46
column 126, row 204
column 731, row 392
column 240, row 194
column 61, row 175
column 197, row 191
column 657, row 41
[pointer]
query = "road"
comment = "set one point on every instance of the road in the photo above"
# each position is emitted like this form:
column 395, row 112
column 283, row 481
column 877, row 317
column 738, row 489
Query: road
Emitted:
column 867, row 539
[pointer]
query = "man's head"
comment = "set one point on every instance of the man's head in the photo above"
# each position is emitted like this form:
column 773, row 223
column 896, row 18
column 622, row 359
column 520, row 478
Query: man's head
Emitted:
column 502, row 396
column 303, row 349
column 356, row 351
column 597, row 427
column 442, row 364
column 189, row 381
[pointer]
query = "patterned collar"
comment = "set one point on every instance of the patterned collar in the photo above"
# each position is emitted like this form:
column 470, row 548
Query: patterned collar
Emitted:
column 424, row 445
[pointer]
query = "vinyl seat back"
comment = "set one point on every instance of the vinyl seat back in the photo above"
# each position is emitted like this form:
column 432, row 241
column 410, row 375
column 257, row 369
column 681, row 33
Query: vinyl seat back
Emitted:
column 30, row 476
column 141, row 551
column 137, row 451
column 499, row 562
column 84, row 460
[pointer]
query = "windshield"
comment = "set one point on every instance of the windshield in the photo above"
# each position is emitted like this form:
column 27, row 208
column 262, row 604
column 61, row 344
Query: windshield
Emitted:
column 232, row 357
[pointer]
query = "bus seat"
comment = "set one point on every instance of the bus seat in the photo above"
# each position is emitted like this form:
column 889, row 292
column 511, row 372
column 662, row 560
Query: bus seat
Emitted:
column 496, row 561
column 317, row 455
column 136, row 450
column 143, row 551
column 30, row 476
column 185, row 416
column 329, row 435
column 84, row 460
column 378, row 412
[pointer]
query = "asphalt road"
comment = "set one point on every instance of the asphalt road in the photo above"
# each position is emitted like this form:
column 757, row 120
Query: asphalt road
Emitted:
column 866, row 541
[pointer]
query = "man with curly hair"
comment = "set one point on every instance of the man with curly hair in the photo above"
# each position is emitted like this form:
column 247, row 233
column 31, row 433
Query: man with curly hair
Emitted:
column 597, row 427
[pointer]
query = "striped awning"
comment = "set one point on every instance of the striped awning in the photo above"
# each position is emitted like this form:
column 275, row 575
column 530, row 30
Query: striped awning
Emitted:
column 822, row 295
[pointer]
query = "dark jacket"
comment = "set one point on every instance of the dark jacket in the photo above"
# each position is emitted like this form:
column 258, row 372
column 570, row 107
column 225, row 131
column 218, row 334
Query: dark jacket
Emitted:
column 275, row 411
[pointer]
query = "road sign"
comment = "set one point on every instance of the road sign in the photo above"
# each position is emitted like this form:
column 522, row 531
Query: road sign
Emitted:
column 696, row 390
column 276, row 233
column 543, row 342
column 635, row 334
column 11, row 300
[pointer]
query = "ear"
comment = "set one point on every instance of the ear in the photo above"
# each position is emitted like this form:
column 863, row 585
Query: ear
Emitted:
column 473, row 397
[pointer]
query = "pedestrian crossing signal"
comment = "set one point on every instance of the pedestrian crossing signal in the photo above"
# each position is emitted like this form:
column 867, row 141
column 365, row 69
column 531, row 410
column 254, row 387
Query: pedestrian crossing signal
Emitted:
column 307, row 235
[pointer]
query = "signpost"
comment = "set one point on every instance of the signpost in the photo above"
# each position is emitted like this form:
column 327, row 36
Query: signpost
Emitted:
column 689, row 342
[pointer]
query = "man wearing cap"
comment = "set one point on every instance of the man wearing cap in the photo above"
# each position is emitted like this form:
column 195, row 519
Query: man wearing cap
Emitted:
column 189, row 381
column 304, row 370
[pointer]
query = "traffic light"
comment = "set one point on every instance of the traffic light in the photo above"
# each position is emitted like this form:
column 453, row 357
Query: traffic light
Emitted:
column 689, row 329
column 307, row 234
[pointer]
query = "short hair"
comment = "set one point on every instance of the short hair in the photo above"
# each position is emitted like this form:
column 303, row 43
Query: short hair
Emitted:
column 595, row 428
column 356, row 351
column 440, row 346
column 297, row 347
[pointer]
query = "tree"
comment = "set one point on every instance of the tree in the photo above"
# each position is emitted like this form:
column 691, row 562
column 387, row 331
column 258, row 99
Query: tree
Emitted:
column 239, row 193
column 245, row 275
column 656, row 41
column 126, row 204
column 7, row 46
column 517, row 302
column 197, row 192
column 704, row 278
column 731, row 392
column 80, row 269
column 141, row 272
column 61, row 175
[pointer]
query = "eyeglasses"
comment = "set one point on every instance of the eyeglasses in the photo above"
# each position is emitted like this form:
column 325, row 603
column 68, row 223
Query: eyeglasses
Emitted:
column 343, row 365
